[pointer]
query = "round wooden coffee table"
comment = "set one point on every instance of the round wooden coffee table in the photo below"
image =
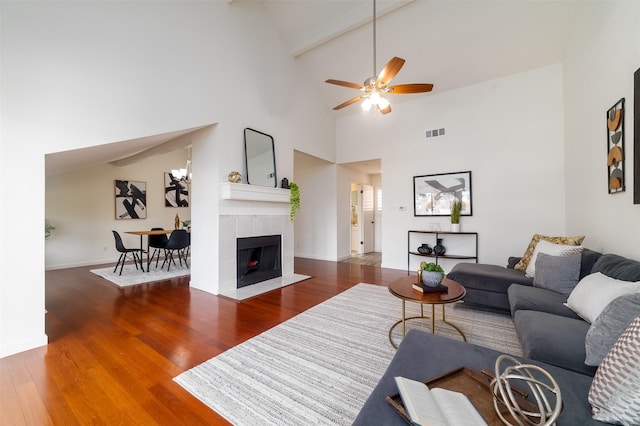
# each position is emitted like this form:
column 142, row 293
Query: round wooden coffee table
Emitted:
column 403, row 289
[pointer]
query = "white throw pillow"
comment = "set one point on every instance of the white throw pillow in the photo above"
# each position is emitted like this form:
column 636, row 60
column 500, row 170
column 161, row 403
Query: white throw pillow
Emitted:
column 595, row 291
column 551, row 249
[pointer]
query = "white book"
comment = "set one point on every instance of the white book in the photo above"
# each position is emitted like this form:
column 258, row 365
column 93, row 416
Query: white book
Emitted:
column 437, row 407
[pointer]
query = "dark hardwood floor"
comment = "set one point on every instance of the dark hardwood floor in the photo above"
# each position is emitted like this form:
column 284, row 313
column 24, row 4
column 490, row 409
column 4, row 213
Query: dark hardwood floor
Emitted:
column 113, row 352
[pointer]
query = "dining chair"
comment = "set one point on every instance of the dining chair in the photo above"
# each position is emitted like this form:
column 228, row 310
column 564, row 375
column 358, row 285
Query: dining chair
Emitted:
column 178, row 242
column 124, row 252
column 158, row 243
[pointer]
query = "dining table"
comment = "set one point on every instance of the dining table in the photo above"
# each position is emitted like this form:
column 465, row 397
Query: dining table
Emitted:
column 147, row 233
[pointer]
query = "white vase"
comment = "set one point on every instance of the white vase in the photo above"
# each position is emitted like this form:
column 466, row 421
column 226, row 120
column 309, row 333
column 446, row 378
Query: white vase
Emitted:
column 455, row 227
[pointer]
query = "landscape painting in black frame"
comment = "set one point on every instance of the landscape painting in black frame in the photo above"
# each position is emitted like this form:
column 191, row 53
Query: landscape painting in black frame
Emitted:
column 433, row 195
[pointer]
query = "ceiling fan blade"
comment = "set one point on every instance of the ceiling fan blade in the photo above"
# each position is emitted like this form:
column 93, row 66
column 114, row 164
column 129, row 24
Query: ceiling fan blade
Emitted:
column 349, row 102
column 345, row 84
column 389, row 71
column 410, row 88
column 386, row 110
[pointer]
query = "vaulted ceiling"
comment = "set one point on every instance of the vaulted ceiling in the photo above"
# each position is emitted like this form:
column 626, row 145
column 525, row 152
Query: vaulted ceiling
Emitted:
column 449, row 43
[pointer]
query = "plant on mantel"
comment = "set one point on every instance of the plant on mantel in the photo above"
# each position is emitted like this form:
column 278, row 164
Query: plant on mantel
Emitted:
column 294, row 200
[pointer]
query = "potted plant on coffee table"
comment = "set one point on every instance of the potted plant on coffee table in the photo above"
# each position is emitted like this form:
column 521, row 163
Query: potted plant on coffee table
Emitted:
column 431, row 274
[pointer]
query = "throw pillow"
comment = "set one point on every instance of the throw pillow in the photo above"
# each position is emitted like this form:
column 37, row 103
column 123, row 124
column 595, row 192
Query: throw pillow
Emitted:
column 615, row 391
column 557, row 273
column 553, row 249
column 595, row 291
column 609, row 325
column 526, row 258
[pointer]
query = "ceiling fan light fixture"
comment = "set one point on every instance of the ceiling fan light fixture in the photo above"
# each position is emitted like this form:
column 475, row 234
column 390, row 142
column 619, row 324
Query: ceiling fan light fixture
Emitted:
column 375, row 87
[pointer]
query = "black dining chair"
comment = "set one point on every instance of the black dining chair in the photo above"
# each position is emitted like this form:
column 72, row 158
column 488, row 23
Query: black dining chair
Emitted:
column 178, row 242
column 124, row 252
column 158, row 243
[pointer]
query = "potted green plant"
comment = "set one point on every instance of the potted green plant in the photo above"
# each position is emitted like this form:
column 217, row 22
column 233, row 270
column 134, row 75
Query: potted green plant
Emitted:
column 48, row 229
column 431, row 274
column 456, row 207
column 294, row 200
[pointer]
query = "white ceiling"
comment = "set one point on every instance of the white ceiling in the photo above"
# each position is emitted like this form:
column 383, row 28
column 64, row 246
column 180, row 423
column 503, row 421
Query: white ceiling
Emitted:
column 449, row 43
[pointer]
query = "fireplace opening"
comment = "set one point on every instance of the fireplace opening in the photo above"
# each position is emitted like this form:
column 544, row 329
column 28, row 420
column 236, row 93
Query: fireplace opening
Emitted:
column 259, row 259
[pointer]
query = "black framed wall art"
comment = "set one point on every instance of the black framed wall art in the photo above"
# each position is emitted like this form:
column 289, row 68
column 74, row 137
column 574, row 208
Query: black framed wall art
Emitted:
column 615, row 147
column 176, row 191
column 130, row 199
column 636, row 137
column 434, row 194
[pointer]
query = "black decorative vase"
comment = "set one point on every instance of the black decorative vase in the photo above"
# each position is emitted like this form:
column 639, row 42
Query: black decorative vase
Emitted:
column 439, row 249
column 425, row 249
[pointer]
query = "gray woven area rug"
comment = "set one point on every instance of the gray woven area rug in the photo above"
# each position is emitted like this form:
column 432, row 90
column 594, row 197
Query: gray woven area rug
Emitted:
column 320, row 366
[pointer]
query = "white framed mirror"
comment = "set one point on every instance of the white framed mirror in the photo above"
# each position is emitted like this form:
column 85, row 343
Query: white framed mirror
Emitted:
column 260, row 158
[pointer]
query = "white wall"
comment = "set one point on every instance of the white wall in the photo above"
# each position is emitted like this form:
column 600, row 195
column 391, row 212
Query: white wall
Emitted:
column 508, row 132
column 315, row 223
column 80, row 205
column 601, row 58
column 80, row 74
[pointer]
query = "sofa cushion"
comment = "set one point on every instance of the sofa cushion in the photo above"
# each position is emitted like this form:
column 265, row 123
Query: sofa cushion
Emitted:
column 589, row 258
column 557, row 273
column 526, row 257
column 609, row 325
column 615, row 391
column 618, row 267
column 552, row 249
column 553, row 339
column 594, row 292
column 487, row 277
column 422, row 356
column 538, row 299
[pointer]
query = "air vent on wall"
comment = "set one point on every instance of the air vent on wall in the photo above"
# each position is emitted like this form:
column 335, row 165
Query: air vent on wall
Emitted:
column 435, row 132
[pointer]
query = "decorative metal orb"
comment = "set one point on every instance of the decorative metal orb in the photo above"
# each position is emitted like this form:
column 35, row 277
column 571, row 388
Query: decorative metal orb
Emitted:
column 234, row 177
column 544, row 392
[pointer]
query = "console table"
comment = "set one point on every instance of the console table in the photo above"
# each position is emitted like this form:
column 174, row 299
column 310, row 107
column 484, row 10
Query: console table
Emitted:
column 432, row 237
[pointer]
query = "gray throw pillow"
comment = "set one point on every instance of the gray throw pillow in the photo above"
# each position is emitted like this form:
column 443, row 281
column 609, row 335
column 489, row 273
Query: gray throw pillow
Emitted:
column 606, row 329
column 557, row 273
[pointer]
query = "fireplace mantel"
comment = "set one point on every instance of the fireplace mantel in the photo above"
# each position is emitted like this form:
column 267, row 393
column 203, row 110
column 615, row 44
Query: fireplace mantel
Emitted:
column 243, row 192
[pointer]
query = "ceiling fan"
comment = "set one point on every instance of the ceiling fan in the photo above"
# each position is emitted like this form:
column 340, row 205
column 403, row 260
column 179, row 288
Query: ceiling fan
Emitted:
column 375, row 88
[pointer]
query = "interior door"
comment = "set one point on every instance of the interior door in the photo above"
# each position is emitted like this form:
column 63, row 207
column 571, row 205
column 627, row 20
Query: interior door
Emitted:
column 368, row 222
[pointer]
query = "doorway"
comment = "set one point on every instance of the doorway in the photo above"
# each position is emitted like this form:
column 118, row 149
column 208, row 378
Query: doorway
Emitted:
column 362, row 219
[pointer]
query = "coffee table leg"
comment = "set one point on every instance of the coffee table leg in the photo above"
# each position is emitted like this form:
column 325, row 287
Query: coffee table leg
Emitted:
column 403, row 317
column 433, row 319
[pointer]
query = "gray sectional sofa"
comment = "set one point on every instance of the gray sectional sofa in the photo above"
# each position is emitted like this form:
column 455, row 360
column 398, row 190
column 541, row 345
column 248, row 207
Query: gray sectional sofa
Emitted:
column 487, row 285
column 551, row 335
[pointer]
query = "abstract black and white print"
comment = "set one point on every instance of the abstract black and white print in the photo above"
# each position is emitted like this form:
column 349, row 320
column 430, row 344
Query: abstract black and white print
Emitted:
column 131, row 199
column 176, row 192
